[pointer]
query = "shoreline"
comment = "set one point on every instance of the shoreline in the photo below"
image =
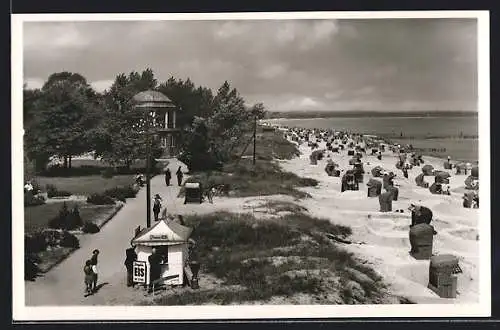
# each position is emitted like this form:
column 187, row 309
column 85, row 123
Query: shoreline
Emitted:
column 430, row 154
column 385, row 235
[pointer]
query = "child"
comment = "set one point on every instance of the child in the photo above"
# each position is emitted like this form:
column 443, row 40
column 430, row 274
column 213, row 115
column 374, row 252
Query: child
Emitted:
column 93, row 263
column 89, row 278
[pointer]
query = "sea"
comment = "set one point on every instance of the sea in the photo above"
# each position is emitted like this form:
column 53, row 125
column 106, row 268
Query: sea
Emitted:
column 456, row 137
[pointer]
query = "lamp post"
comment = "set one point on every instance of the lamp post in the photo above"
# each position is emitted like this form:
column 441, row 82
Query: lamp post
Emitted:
column 148, row 176
column 152, row 104
column 144, row 127
column 254, row 137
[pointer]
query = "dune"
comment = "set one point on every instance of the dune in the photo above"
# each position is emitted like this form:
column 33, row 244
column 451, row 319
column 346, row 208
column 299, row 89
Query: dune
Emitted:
column 384, row 237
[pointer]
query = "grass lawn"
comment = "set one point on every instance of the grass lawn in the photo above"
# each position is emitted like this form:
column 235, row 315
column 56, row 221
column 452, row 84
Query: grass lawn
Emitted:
column 49, row 258
column 85, row 185
column 262, row 179
column 276, row 258
column 37, row 217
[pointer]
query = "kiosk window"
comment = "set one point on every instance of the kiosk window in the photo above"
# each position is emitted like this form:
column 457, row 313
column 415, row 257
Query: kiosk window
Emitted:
column 163, row 252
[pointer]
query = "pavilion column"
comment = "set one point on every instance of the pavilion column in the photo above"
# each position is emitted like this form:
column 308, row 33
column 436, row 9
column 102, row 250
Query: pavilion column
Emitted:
column 166, row 119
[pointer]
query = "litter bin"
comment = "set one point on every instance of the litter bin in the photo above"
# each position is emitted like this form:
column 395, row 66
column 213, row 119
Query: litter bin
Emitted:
column 442, row 275
column 193, row 193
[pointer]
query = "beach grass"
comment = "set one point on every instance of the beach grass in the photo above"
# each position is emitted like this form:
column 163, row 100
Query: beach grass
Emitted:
column 244, row 179
column 258, row 260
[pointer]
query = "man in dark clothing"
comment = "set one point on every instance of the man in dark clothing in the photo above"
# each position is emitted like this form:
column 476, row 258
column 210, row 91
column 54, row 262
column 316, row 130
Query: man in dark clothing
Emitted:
column 179, row 176
column 154, row 268
column 157, row 206
column 131, row 256
column 168, row 176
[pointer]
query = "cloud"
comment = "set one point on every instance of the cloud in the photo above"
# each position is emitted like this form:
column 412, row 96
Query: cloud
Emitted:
column 34, row 83
column 314, row 64
column 47, row 36
column 101, row 85
column 231, row 29
column 272, row 71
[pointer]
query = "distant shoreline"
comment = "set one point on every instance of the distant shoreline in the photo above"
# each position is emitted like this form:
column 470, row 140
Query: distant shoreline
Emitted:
column 370, row 114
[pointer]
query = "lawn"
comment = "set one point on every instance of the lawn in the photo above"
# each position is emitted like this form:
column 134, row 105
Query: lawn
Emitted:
column 85, row 185
column 37, row 217
column 257, row 260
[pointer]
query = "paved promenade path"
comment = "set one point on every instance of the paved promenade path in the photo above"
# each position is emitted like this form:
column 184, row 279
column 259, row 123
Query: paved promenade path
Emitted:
column 63, row 285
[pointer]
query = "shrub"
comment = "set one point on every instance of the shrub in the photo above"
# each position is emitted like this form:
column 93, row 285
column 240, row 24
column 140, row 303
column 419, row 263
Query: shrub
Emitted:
column 53, row 192
column 69, row 240
column 52, row 237
column 31, row 200
column 108, row 173
column 31, row 269
column 90, row 228
column 60, row 171
column 100, row 199
column 121, row 193
column 67, row 220
column 35, row 243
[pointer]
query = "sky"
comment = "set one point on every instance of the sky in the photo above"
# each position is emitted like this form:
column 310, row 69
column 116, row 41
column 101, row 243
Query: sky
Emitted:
column 289, row 65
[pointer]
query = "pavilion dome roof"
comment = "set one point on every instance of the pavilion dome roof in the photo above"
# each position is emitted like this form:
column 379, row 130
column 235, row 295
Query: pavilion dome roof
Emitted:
column 151, row 96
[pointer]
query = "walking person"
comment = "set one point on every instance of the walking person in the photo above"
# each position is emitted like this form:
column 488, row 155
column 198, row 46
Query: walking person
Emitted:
column 88, row 277
column 179, row 176
column 131, row 256
column 93, row 262
column 157, row 206
column 168, row 176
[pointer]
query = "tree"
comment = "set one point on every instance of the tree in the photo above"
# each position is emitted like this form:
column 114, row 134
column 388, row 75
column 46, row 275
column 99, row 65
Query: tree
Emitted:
column 229, row 121
column 120, row 138
column 197, row 150
column 191, row 101
column 258, row 110
column 210, row 141
column 66, row 111
column 30, row 96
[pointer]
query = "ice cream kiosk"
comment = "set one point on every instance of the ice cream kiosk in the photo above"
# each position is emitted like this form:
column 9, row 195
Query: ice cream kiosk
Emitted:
column 170, row 239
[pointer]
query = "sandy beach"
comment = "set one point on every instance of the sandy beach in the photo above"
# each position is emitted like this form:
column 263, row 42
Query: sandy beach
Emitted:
column 384, row 237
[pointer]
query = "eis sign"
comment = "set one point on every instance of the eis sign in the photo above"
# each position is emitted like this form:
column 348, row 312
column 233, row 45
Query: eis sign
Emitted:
column 139, row 272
